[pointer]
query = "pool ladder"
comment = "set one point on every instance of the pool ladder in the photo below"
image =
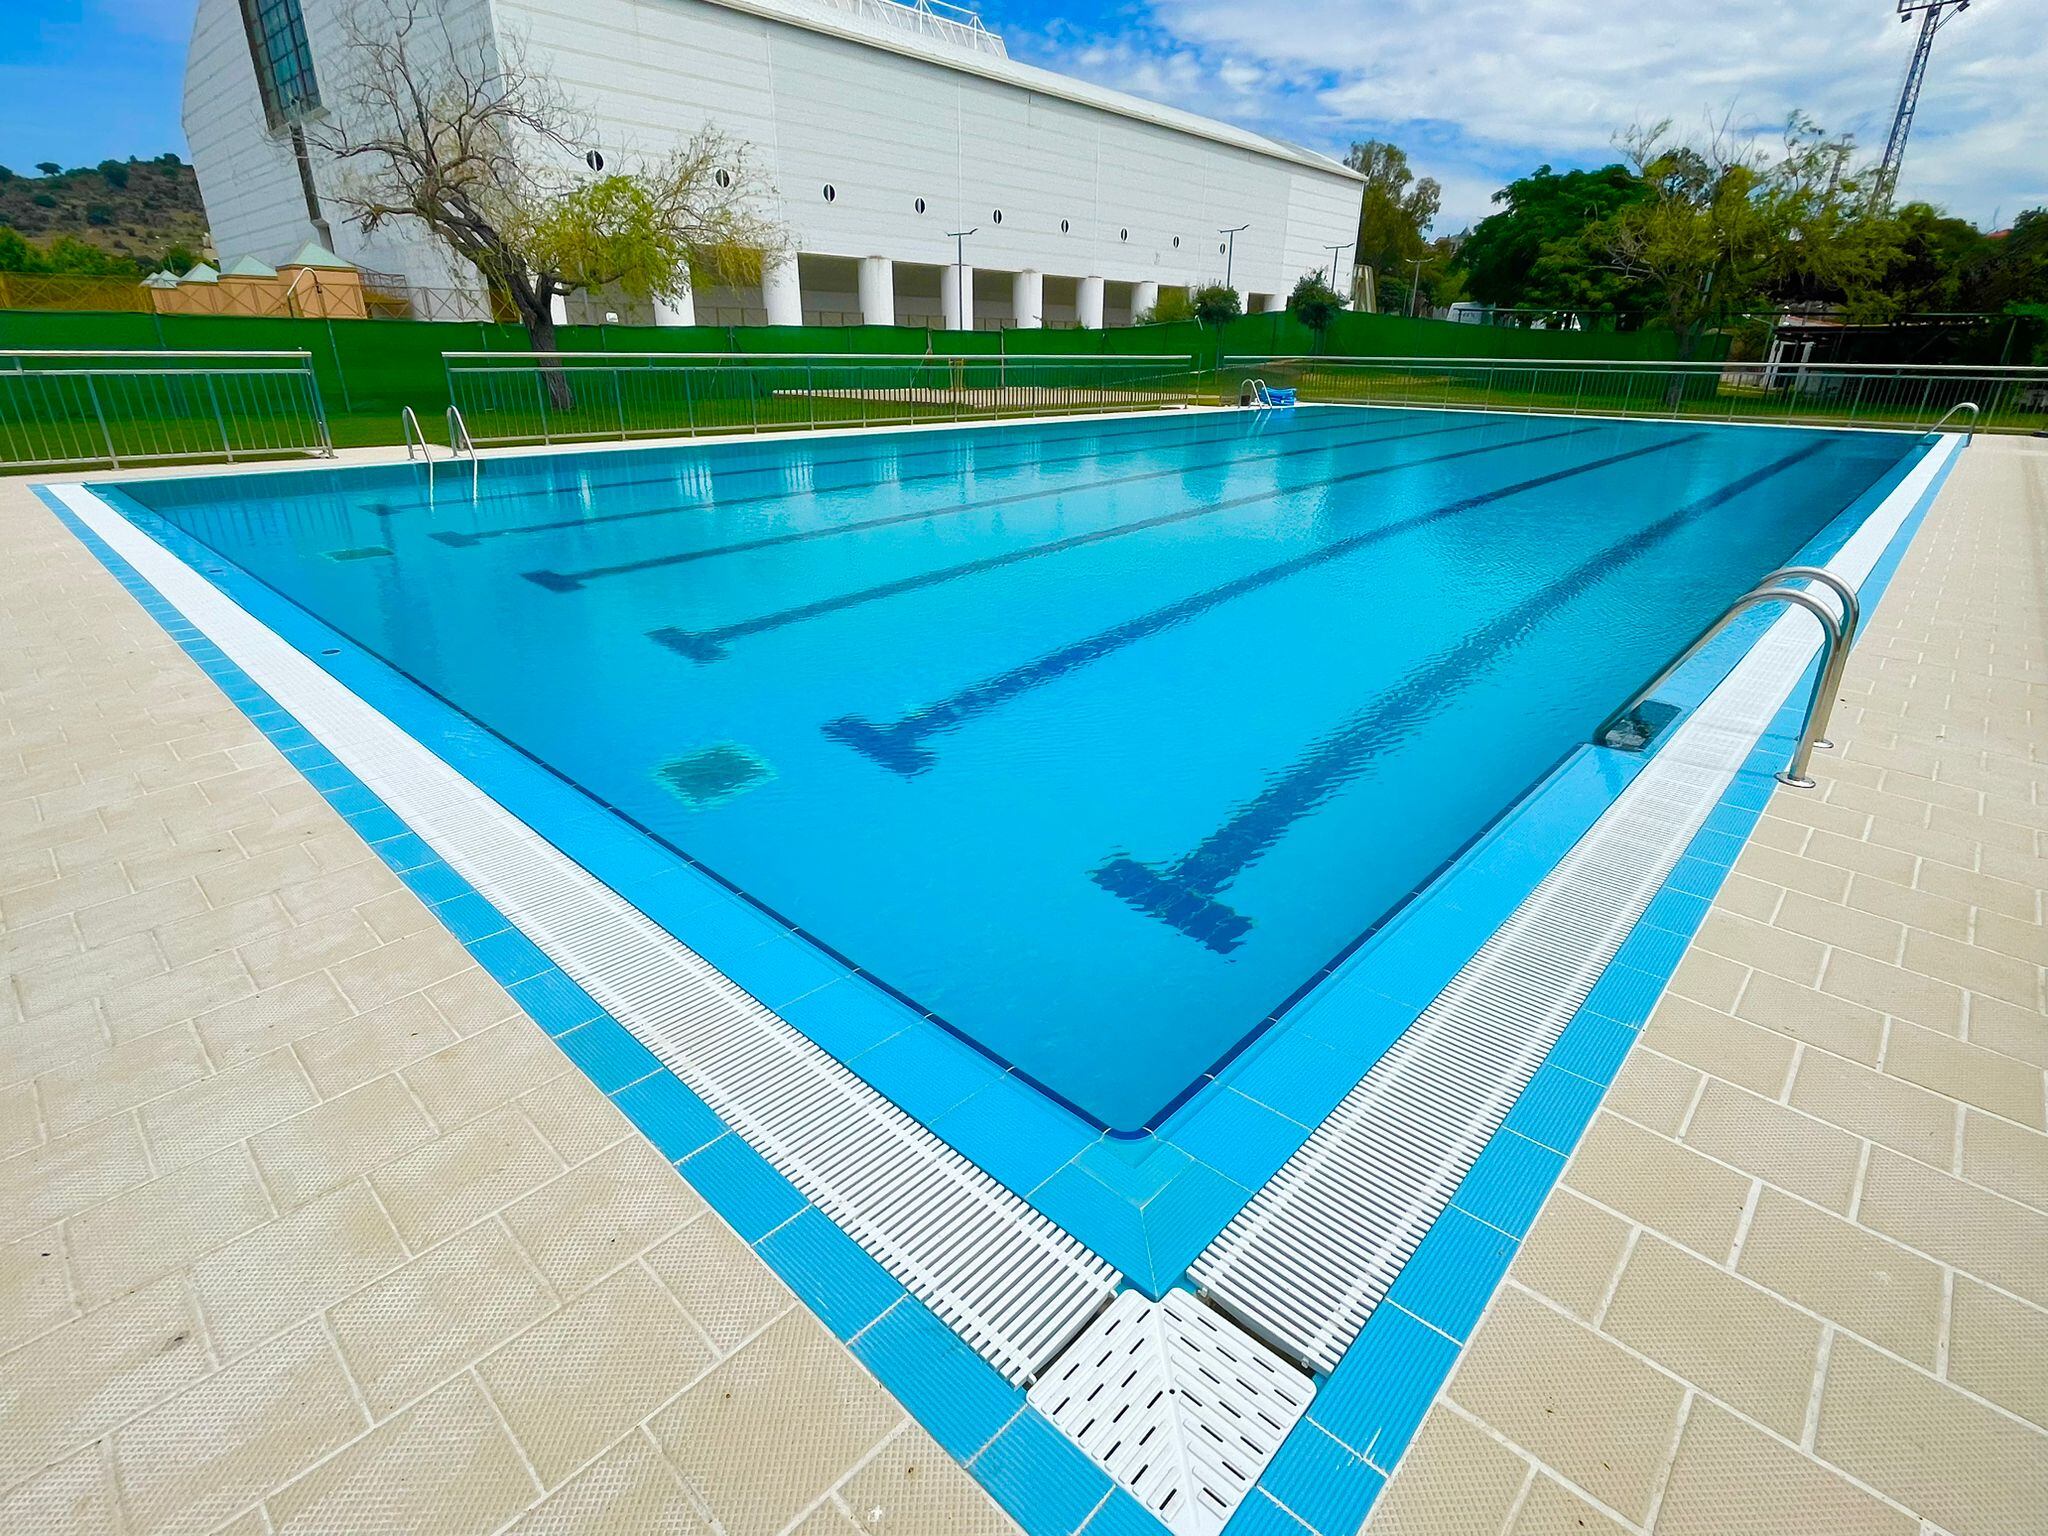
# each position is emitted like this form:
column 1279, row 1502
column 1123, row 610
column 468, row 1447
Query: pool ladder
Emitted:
column 414, row 436
column 1625, row 729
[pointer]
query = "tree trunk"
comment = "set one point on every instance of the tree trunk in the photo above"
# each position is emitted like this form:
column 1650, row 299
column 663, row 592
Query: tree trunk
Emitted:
column 539, row 319
column 1688, row 344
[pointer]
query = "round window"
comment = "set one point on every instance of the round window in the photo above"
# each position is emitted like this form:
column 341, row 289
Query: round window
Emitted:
column 594, row 160
column 918, row 205
column 722, row 177
column 830, row 192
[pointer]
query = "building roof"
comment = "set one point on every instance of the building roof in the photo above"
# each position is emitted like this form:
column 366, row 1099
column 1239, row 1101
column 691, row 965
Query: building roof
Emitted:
column 314, row 254
column 248, row 266
column 201, row 274
column 855, row 23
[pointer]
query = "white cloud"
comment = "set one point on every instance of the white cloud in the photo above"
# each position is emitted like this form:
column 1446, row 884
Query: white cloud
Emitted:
column 1481, row 90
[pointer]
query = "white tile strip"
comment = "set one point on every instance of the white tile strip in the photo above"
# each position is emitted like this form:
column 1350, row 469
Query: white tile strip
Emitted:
column 1176, row 1404
column 1305, row 1263
column 1010, row 1282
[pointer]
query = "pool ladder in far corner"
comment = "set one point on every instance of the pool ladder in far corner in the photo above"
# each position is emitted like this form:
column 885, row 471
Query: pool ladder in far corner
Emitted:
column 1625, row 730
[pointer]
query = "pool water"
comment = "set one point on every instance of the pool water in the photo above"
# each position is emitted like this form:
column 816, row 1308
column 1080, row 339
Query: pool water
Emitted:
column 1096, row 740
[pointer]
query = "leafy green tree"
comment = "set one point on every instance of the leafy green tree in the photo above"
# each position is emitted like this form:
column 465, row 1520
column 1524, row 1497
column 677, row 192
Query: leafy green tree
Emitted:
column 48, row 167
column 1930, row 252
column 488, row 152
column 2010, row 269
column 1172, row 305
column 1535, row 252
column 65, row 254
column 114, row 173
column 1315, row 303
column 1217, row 305
column 1396, row 210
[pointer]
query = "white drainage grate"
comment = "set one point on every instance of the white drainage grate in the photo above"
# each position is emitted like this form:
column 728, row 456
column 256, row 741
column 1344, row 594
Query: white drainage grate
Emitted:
column 1177, row 1405
column 1307, row 1260
column 1011, row 1283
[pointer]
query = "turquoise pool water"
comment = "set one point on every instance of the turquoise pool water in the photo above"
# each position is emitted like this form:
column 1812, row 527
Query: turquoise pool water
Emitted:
column 1098, row 741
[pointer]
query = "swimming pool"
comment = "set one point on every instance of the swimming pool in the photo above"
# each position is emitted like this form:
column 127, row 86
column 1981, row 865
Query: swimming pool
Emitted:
column 1101, row 742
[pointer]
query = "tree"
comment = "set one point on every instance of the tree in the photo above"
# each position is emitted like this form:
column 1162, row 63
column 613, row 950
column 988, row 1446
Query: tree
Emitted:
column 1217, row 305
column 114, row 173
column 2011, row 268
column 1535, row 252
column 488, row 153
column 1395, row 211
column 1930, row 252
column 1172, row 305
column 1315, row 303
column 48, row 167
column 1726, row 230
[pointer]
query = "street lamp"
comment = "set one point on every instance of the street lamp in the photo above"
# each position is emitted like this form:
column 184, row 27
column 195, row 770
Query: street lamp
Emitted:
column 1415, row 285
column 1333, row 250
column 1230, row 250
column 959, row 239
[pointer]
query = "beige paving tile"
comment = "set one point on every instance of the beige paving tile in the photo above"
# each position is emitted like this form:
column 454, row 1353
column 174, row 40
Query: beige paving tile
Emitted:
column 2007, row 1158
column 1708, row 978
column 1973, row 968
column 369, row 1045
column 2021, row 1033
column 65, row 1176
column 910, row 1484
column 601, row 1213
column 1779, row 951
column 52, row 984
column 1551, row 1509
column 1778, row 1145
column 226, row 1442
column 1879, row 1108
column 228, row 1107
column 1653, row 1090
column 484, row 1070
column 147, row 1232
column 631, row 1487
column 71, row 1386
column 1572, row 1253
column 1715, row 1043
column 35, row 1288
column 1958, row 1223
column 1667, row 1187
column 1962, row 1465
column 447, row 1463
column 176, row 995
column 718, row 1280
column 291, row 1268
column 90, row 1087
column 464, row 1175
column 340, row 1140
column 1574, row 1400
column 1839, row 927
column 1997, row 1346
column 1731, row 1479
column 318, row 941
column 75, row 1497
column 1889, row 1294
column 754, row 1464
column 2001, row 1084
column 577, row 1121
column 439, row 1313
column 1734, row 1340
column 1888, row 989
column 1455, row 1480
column 471, row 1001
column 254, row 1025
column 405, row 965
column 588, row 1373
column 1809, row 1014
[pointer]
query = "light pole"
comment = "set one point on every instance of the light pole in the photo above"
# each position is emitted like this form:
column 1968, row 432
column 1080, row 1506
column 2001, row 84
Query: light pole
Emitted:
column 1333, row 250
column 959, row 239
column 1415, row 284
column 1230, row 250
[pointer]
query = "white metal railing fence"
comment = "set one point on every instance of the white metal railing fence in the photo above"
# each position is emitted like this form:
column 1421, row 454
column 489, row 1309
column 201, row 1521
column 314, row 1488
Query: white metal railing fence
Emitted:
column 1903, row 395
column 561, row 397
column 66, row 409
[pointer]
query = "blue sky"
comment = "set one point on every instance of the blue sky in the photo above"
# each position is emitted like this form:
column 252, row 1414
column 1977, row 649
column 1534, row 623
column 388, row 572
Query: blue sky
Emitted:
column 1477, row 91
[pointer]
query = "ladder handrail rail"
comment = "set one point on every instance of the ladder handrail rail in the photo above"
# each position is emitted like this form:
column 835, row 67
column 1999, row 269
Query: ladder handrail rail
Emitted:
column 1818, row 702
column 1961, row 405
column 414, row 433
column 1852, row 621
column 459, row 440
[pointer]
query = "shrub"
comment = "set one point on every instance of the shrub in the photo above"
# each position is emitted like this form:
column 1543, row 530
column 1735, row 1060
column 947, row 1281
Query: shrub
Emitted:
column 1314, row 302
column 1217, row 305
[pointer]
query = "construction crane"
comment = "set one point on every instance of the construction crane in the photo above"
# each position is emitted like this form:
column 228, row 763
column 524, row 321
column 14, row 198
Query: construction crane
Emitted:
column 1933, row 15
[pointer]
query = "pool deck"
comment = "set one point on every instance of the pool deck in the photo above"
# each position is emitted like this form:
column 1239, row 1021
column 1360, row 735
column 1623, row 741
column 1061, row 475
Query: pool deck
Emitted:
column 308, row 1227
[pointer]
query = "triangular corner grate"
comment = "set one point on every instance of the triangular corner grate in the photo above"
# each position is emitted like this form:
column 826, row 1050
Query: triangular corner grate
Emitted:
column 1176, row 1403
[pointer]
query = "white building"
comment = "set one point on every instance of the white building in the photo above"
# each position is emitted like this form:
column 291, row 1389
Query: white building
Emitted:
column 883, row 127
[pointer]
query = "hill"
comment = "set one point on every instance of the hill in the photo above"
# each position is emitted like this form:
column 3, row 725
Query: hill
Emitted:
column 138, row 209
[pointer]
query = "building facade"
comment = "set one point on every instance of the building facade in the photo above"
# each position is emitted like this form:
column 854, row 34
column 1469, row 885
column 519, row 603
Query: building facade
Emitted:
column 924, row 176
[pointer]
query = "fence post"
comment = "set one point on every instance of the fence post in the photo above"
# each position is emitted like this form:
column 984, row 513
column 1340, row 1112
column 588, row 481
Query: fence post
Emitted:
column 106, row 433
column 219, row 420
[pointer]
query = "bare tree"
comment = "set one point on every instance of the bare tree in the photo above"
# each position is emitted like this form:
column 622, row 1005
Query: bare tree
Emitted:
column 470, row 139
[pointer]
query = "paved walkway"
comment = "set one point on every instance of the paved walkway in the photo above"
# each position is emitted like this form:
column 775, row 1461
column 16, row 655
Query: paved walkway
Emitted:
column 1795, row 1282
column 304, row 1227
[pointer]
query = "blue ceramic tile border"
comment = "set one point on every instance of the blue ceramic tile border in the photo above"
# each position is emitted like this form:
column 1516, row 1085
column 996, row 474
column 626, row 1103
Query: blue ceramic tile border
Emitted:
column 1038, row 1475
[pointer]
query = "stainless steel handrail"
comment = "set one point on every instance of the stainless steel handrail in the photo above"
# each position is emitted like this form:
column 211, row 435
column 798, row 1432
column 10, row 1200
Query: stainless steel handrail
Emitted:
column 414, row 434
column 1852, row 621
column 1961, row 405
column 459, row 441
column 1794, row 773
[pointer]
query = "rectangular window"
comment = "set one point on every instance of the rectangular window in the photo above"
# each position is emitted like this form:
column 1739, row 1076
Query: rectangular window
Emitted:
column 284, row 62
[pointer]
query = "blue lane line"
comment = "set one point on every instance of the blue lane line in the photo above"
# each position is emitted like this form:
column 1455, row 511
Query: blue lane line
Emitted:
column 900, row 744
column 573, row 581
column 710, row 644
column 1200, row 434
column 1184, row 894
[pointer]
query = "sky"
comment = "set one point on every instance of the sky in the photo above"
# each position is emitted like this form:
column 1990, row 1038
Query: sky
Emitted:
column 1477, row 91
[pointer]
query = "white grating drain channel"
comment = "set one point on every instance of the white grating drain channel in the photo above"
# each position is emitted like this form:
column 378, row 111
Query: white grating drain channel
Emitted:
column 1307, row 1260
column 1011, row 1283
column 1176, row 1404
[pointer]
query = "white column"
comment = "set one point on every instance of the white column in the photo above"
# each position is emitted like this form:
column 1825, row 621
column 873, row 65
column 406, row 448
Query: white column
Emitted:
column 1027, row 299
column 1144, row 296
column 1269, row 302
column 877, row 290
column 781, row 294
column 558, row 308
column 956, row 295
column 1088, row 303
column 679, row 309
